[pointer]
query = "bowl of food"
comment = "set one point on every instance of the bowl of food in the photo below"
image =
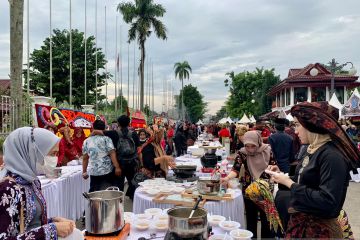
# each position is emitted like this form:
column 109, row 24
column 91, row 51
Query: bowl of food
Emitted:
column 161, row 225
column 143, row 216
column 229, row 225
column 220, row 237
column 241, row 234
column 153, row 211
column 162, row 217
column 214, row 220
column 142, row 225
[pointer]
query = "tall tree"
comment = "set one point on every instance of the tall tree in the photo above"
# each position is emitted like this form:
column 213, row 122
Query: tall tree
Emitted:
column 248, row 92
column 194, row 103
column 182, row 71
column 143, row 17
column 16, row 56
column 40, row 71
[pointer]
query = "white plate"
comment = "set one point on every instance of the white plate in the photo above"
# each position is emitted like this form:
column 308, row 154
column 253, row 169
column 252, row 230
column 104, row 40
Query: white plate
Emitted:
column 178, row 189
column 229, row 225
column 153, row 211
column 152, row 192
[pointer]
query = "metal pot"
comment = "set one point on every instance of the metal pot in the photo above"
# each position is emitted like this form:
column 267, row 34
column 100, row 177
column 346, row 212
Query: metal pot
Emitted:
column 105, row 211
column 184, row 171
column 208, row 186
column 185, row 227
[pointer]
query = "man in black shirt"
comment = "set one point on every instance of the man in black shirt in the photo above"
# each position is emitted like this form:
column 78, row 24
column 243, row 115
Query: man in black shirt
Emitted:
column 128, row 162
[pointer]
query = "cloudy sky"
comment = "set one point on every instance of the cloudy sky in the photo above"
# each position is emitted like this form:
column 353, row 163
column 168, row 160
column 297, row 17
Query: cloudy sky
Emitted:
column 214, row 36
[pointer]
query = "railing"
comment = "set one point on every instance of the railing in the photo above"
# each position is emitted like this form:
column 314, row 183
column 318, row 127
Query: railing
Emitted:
column 8, row 115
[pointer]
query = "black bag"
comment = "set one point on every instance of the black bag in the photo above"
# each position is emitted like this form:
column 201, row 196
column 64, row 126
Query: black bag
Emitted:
column 125, row 149
column 139, row 177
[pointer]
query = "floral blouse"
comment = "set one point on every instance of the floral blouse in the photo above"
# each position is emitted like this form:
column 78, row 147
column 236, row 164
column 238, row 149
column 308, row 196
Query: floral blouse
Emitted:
column 246, row 179
column 18, row 208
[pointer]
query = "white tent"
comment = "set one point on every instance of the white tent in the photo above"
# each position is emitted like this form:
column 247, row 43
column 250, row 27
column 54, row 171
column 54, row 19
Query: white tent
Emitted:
column 334, row 101
column 223, row 120
column 199, row 122
column 252, row 119
column 229, row 120
column 244, row 119
column 289, row 117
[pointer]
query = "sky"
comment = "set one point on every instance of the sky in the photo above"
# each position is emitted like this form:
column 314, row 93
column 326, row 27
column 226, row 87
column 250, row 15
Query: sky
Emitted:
column 214, row 36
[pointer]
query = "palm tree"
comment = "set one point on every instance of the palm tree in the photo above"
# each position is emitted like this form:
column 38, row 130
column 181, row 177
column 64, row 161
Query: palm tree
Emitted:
column 182, row 70
column 142, row 17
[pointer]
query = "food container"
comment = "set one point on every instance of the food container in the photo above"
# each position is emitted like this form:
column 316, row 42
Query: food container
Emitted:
column 185, row 227
column 104, row 211
column 184, row 171
column 207, row 186
column 241, row 234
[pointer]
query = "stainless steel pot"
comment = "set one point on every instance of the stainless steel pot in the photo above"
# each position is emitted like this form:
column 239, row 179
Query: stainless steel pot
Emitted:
column 185, row 227
column 105, row 211
column 208, row 186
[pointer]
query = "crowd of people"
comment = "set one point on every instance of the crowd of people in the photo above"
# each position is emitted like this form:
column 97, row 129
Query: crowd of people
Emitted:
column 309, row 158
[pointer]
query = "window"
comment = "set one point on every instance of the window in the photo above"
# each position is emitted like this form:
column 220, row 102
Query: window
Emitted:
column 339, row 91
column 300, row 94
column 318, row 94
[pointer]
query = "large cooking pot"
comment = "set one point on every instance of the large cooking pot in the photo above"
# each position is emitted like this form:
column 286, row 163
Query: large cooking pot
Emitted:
column 208, row 186
column 184, row 171
column 209, row 160
column 104, row 212
column 185, row 227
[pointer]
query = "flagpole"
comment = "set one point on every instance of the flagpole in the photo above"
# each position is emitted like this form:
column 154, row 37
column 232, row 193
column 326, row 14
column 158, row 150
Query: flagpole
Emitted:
column 128, row 83
column 133, row 105
column 70, row 96
column 28, row 50
column 152, row 85
column 116, row 60
column 121, row 75
column 85, row 73
column 96, row 60
column 50, row 38
column 106, row 71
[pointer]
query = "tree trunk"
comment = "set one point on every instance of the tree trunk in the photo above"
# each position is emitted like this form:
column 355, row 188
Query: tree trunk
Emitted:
column 142, row 64
column 16, row 54
column 182, row 100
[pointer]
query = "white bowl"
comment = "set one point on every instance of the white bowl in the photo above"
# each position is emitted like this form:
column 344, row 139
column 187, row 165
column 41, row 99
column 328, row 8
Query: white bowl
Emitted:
column 162, row 217
column 129, row 214
column 166, row 190
column 161, row 225
column 241, row 234
column 142, row 225
column 214, row 220
column 220, row 237
column 153, row 211
column 165, row 211
column 152, row 192
column 178, row 189
column 143, row 216
column 229, row 225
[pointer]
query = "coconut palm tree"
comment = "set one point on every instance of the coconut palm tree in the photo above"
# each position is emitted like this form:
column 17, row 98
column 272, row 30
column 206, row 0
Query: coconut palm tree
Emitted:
column 143, row 18
column 182, row 71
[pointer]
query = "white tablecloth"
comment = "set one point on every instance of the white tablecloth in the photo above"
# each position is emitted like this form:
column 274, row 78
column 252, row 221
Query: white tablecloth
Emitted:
column 64, row 195
column 233, row 209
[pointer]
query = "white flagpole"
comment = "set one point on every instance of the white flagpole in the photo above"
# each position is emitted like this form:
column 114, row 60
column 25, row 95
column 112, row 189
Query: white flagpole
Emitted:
column 128, row 82
column 28, row 49
column 70, row 96
column 133, row 105
column 96, row 60
column 85, row 73
column 116, row 61
column 106, row 71
column 152, row 85
column 121, row 75
column 50, row 37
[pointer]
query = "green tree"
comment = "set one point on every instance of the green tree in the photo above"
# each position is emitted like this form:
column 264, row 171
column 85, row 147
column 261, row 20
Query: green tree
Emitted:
column 40, row 68
column 194, row 103
column 182, row 71
column 143, row 18
column 248, row 92
column 219, row 114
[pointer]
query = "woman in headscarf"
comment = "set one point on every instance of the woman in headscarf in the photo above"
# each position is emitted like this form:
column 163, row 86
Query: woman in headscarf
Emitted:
column 255, row 156
column 78, row 139
column 154, row 162
column 22, row 206
column 318, row 188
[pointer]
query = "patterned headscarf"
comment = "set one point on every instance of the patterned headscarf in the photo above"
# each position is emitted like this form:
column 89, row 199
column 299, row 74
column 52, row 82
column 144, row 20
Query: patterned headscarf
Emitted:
column 320, row 117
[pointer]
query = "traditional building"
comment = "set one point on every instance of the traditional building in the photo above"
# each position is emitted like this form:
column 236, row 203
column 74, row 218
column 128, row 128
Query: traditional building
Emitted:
column 311, row 83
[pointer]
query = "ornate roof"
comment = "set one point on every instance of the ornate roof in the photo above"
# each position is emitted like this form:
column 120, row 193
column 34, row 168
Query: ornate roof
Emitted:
column 301, row 77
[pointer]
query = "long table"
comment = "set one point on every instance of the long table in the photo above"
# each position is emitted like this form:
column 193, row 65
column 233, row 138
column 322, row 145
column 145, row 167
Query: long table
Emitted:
column 64, row 195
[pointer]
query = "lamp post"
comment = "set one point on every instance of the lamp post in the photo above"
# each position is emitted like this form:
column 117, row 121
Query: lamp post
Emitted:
column 334, row 67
